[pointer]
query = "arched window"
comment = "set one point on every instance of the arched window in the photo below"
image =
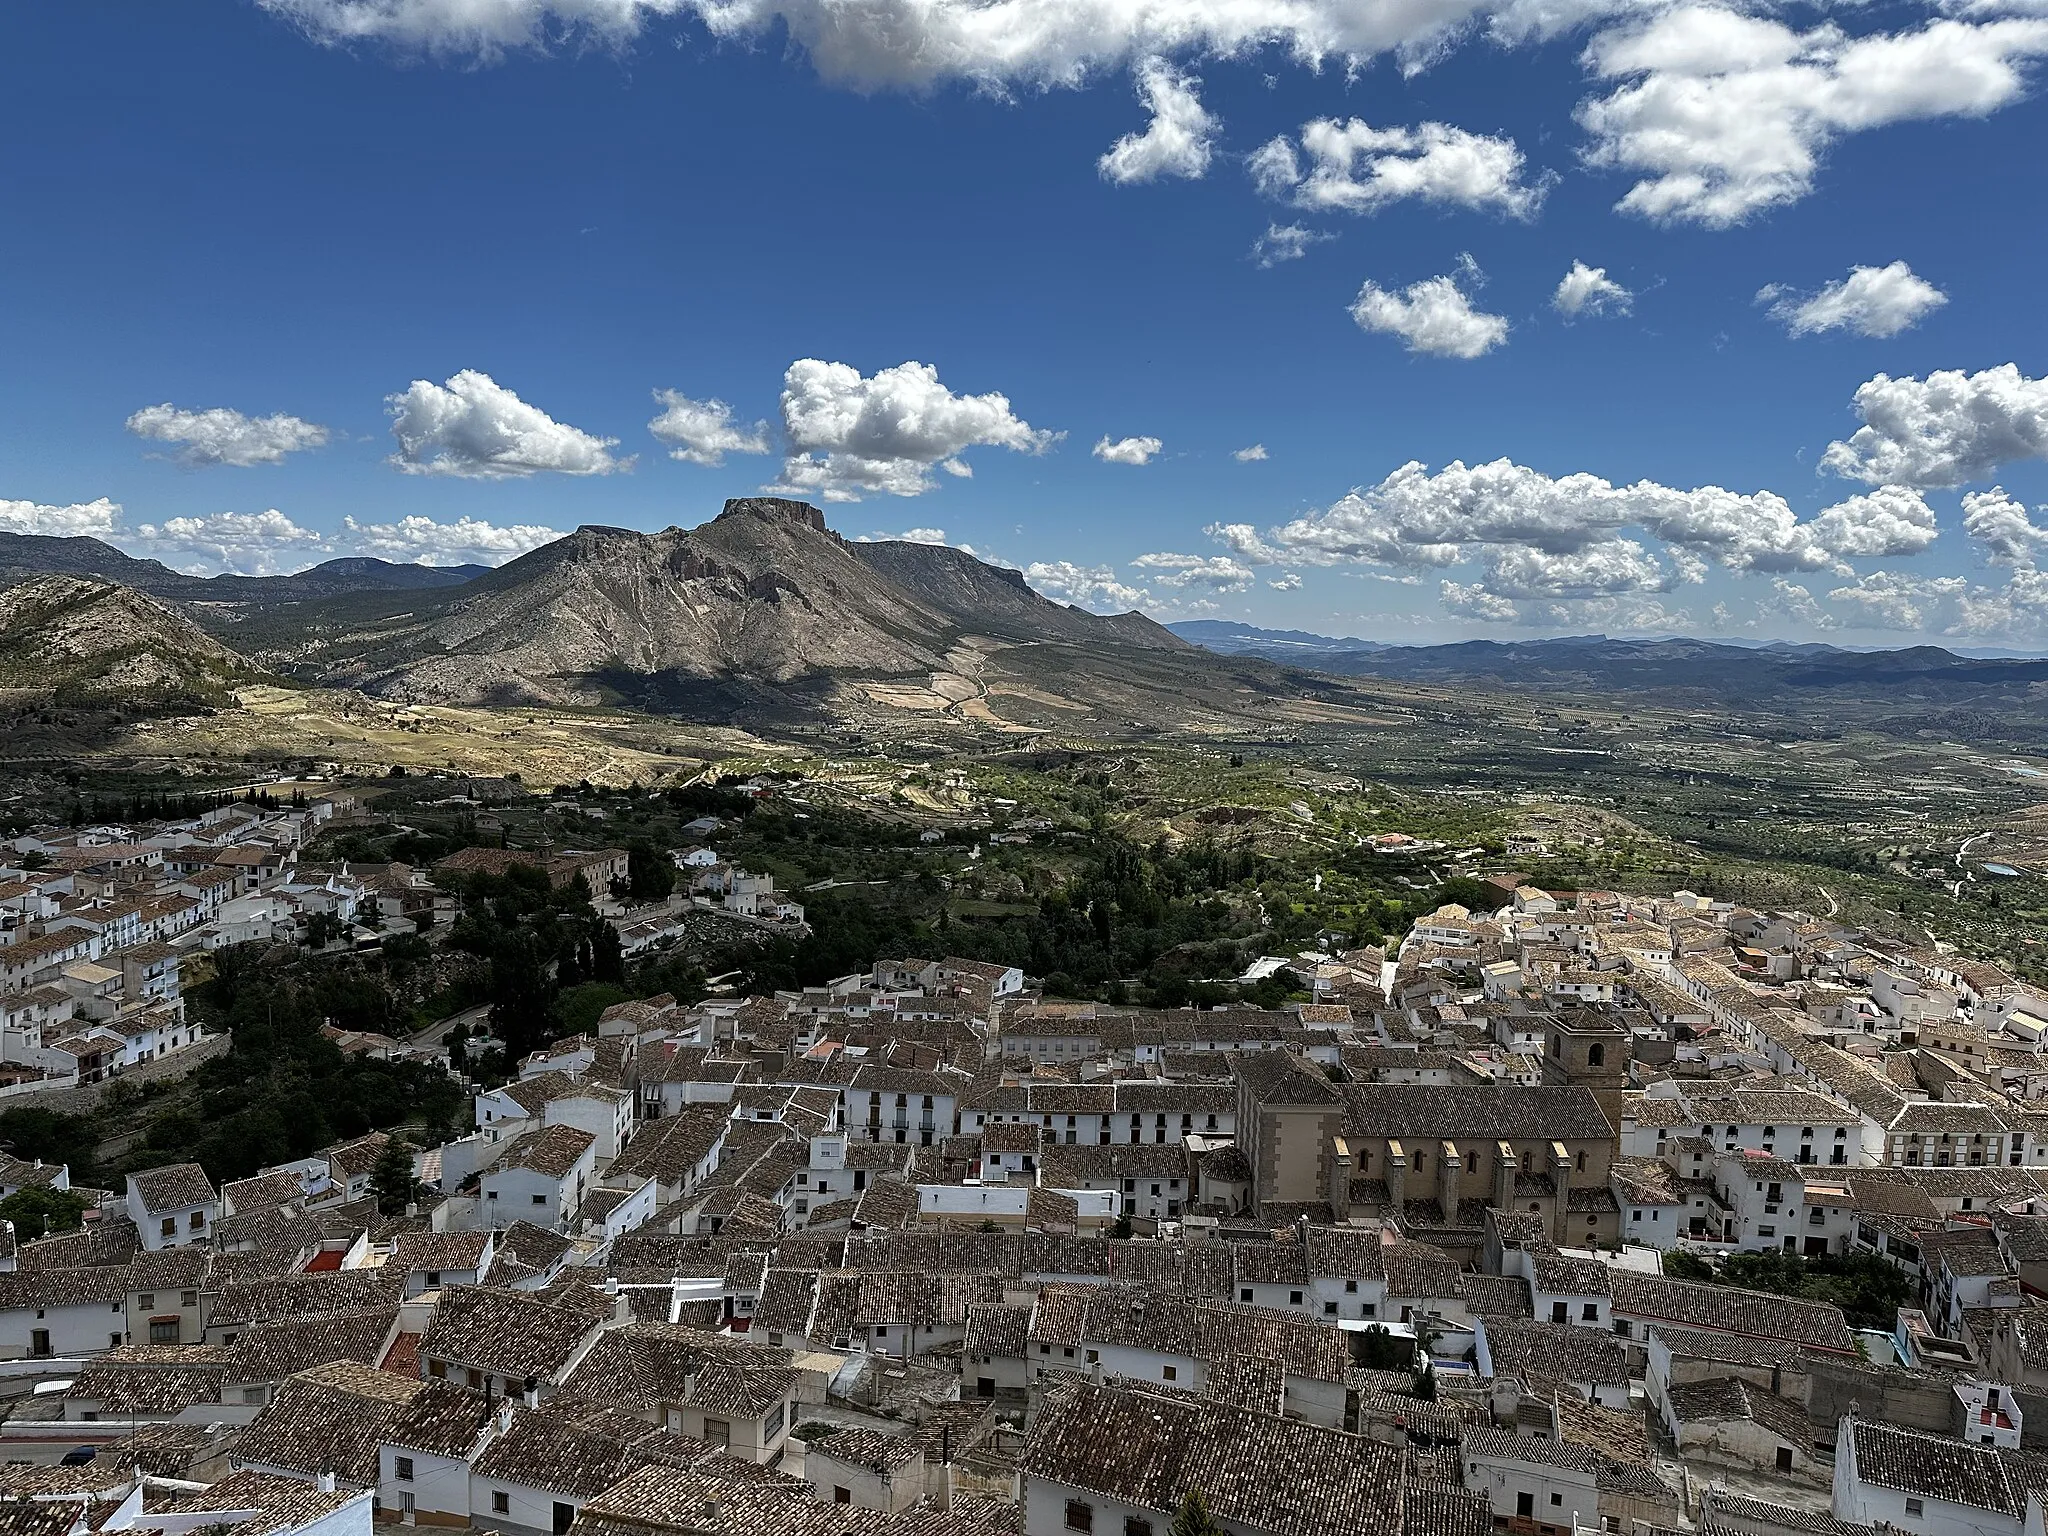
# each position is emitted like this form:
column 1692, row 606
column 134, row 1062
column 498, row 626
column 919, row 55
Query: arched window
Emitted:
column 1596, row 1055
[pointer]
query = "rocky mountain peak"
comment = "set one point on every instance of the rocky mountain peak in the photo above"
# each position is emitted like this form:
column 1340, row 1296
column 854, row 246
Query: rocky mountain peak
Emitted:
column 779, row 508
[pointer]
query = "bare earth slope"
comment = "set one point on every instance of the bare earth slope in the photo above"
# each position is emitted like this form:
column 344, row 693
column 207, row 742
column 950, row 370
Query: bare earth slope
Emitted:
column 764, row 594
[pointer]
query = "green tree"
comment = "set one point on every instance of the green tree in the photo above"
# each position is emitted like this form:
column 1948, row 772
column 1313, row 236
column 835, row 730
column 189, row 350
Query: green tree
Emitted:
column 1193, row 1517
column 37, row 1210
column 1687, row 1266
column 650, row 873
column 391, row 1180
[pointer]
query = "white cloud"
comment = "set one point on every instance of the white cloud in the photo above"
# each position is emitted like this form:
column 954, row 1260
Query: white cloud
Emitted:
column 1724, row 114
column 1469, row 600
column 1285, row 242
column 245, row 543
column 1790, row 601
column 1256, row 454
column 1085, row 586
column 1599, row 569
column 223, row 436
column 1290, row 581
column 1946, row 429
column 1891, row 520
column 1871, row 301
column 466, row 541
column 703, row 431
column 1179, row 139
column 1432, row 316
column 1215, row 573
column 81, row 519
column 914, row 43
column 849, row 435
column 1417, row 519
column 1128, row 450
column 1354, row 167
column 2001, row 525
column 1888, row 600
column 1590, row 292
column 475, row 428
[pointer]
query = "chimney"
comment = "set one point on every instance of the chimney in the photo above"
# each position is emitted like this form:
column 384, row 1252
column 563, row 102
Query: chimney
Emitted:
column 532, row 1392
column 1449, row 1170
column 1340, row 1182
column 1504, row 1164
column 1397, row 1179
column 1561, row 1175
column 324, row 1482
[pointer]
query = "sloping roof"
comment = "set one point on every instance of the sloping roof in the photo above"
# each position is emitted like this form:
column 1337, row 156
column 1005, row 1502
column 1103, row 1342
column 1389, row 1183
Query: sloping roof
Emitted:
column 1287, row 1476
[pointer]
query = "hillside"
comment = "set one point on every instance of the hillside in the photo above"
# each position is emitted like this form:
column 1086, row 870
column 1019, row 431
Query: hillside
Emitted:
column 761, row 600
column 84, row 637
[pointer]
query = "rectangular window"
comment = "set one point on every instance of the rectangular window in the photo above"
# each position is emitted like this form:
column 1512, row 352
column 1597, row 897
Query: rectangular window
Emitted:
column 1080, row 1515
column 501, row 1502
column 718, row 1432
column 163, row 1330
column 1133, row 1526
column 1915, row 1507
column 401, row 1466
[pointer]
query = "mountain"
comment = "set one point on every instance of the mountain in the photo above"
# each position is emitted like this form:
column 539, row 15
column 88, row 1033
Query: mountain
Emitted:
column 86, row 637
column 762, row 597
column 1915, row 690
column 25, row 556
column 1231, row 639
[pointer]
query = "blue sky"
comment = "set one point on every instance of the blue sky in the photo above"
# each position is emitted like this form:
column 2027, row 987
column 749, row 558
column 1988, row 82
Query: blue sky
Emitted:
column 286, row 214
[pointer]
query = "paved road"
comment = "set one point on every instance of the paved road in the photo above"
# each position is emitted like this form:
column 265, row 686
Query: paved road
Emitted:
column 437, row 1031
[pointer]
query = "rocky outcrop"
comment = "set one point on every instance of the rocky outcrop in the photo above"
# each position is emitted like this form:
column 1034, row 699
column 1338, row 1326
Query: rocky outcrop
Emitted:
column 764, row 593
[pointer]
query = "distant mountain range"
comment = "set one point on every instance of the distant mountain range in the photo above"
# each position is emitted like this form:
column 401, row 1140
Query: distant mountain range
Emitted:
column 24, row 556
column 1915, row 689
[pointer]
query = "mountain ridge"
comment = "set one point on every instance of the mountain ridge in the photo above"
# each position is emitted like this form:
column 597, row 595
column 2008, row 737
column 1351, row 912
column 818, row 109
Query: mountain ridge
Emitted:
column 762, row 594
column 25, row 556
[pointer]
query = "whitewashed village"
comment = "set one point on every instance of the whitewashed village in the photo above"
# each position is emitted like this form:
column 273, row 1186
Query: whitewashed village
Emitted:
column 1456, row 1247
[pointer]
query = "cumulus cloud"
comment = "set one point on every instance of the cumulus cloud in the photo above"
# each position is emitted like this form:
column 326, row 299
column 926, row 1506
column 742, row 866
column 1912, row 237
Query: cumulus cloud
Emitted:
column 1285, row 242
column 1871, row 301
column 1179, row 139
column 912, row 43
column 80, row 519
column 2001, row 527
column 475, row 428
column 1353, row 167
column 1590, row 292
column 1947, row 429
column 245, row 543
column 1724, row 114
column 1417, row 519
column 466, row 541
column 223, row 436
column 1891, row 520
column 1215, row 573
column 1287, row 581
column 1093, row 587
column 1432, row 316
column 703, row 431
column 851, row 435
column 1255, row 454
column 1128, row 450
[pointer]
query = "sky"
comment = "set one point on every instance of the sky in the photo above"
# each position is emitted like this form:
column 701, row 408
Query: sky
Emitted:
column 1413, row 320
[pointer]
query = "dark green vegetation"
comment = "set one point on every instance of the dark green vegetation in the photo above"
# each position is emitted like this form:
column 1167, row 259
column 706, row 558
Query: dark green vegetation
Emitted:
column 1869, row 1290
column 37, row 1211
